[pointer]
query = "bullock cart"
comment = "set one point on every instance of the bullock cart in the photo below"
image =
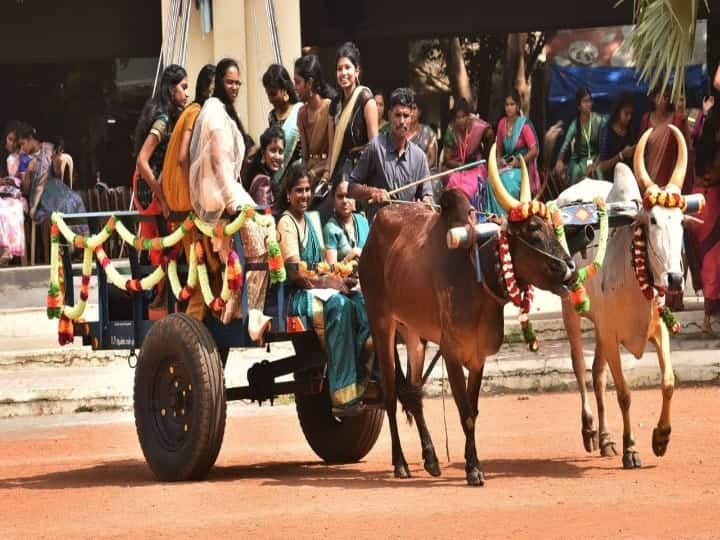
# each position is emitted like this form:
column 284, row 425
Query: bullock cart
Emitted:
column 180, row 394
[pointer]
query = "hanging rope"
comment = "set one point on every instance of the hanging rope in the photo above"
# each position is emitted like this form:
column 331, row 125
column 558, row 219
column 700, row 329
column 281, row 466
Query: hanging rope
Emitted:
column 272, row 27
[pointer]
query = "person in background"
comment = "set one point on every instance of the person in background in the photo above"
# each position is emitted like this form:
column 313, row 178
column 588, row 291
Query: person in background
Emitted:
column 467, row 142
column 383, row 124
column 281, row 94
column 581, row 147
column 13, row 206
column 265, row 163
column 314, row 117
column 346, row 231
column 706, row 234
column 617, row 138
column 43, row 186
column 424, row 136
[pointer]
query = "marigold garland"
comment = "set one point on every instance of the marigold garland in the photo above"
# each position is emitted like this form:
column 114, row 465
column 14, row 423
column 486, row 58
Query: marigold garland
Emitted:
column 524, row 210
column 578, row 294
column 654, row 196
column 197, row 271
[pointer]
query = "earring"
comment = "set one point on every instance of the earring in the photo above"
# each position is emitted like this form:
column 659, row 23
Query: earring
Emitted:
column 286, row 98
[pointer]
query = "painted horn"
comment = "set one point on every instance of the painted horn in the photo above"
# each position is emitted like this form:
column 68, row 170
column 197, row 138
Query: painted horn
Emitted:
column 643, row 178
column 505, row 200
column 525, row 193
column 680, row 170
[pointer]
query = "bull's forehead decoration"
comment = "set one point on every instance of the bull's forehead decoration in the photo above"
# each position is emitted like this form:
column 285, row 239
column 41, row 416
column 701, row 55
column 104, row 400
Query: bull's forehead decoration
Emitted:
column 524, row 210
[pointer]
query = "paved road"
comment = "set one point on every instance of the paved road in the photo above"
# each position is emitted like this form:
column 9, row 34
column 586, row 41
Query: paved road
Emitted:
column 84, row 477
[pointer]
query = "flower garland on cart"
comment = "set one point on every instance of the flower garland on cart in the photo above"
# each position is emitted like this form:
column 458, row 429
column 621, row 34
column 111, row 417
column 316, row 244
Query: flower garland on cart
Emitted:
column 197, row 270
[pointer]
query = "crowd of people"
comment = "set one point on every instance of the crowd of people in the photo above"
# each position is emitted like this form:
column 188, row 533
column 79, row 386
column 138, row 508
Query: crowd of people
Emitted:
column 326, row 147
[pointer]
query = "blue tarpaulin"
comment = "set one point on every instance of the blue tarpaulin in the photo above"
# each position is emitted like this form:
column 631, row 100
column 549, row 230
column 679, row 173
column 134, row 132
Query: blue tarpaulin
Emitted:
column 606, row 84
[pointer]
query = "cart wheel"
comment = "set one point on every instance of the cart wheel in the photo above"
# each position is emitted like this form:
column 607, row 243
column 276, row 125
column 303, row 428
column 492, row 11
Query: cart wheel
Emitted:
column 334, row 439
column 179, row 399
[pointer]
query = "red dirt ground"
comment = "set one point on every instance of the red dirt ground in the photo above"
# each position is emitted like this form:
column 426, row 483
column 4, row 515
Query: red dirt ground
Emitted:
column 91, row 481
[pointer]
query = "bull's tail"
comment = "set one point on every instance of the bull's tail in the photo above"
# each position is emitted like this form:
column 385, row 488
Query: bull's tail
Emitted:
column 410, row 397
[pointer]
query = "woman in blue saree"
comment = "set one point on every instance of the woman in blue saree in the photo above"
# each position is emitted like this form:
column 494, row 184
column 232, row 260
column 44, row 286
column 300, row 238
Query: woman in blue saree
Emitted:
column 346, row 231
column 281, row 94
column 515, row 137
column 338, row 314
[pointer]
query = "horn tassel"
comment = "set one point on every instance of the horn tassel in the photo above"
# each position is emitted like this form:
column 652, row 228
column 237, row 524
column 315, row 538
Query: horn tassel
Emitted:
column 506, row 201
column 680, row 170
column 643, row 178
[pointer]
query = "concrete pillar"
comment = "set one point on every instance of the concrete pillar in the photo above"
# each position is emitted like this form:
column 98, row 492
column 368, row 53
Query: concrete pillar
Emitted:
column 241, row 31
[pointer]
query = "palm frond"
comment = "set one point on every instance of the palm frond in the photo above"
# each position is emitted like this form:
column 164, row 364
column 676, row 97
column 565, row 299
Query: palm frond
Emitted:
column 662, row 41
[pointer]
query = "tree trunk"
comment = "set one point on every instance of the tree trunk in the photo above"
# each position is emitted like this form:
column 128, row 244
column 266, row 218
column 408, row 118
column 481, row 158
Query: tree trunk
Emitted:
column 457, row 73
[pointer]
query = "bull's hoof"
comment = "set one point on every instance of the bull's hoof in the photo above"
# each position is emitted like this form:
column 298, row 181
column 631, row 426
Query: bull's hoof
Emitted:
column 475, row 477
column 590, row 439
column 432, row 466
column 402, row 471
column 660, row 440
column 631, row 459
column 607, row 445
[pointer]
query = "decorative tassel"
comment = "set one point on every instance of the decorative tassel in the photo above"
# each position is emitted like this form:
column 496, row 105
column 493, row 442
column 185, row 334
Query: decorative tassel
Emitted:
column 66, row 331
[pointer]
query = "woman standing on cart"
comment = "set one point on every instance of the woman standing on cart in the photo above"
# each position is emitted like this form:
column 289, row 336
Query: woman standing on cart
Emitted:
column 338, row 316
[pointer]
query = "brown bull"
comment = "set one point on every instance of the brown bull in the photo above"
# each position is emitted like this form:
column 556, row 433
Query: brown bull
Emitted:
column 412, row 281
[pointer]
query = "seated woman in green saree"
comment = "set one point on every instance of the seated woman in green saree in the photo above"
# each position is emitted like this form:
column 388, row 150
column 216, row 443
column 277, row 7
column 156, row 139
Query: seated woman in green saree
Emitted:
column 338, row 314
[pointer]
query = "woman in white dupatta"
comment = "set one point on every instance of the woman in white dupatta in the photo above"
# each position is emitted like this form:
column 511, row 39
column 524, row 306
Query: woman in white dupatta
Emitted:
column 217, row 150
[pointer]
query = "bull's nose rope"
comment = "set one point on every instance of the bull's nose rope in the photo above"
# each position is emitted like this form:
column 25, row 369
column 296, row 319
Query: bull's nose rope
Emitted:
column 578, row 294
column 522, row 298
column 639, row 256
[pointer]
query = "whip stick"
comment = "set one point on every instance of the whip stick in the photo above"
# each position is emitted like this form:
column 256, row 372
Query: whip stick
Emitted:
column 437, row 175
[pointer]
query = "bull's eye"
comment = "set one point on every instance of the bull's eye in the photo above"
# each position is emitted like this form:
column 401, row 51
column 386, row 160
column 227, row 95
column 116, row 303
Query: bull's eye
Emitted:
column 653, row 221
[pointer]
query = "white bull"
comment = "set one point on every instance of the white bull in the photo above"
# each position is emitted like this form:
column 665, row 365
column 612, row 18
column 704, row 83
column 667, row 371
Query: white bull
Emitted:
column 621, row 311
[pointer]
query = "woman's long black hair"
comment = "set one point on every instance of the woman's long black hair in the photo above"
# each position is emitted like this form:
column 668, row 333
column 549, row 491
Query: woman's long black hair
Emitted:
column 309, row 68
column 220, row 93
column 278, row 78
column 162, row 102
column 707, row 143
column 204, row 78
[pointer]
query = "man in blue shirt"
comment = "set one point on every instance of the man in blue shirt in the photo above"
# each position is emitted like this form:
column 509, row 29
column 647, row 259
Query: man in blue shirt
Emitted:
column 391, row 161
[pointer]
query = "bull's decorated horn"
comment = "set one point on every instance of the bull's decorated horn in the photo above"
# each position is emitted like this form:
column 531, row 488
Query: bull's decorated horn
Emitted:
column 525, row 193
column 680, row 170
column 678, row 175
column 506, row 201
column 641, row 173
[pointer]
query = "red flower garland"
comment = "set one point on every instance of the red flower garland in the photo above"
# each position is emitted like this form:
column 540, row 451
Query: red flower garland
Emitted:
column 639, row 255
column 522, row 298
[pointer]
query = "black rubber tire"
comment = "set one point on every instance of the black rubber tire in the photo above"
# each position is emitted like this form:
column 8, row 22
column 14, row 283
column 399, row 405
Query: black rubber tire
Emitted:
column 334, row 439
column 183, row 446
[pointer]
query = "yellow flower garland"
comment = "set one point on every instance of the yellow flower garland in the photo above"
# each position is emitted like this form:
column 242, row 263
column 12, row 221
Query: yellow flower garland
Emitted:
column 197, row 270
